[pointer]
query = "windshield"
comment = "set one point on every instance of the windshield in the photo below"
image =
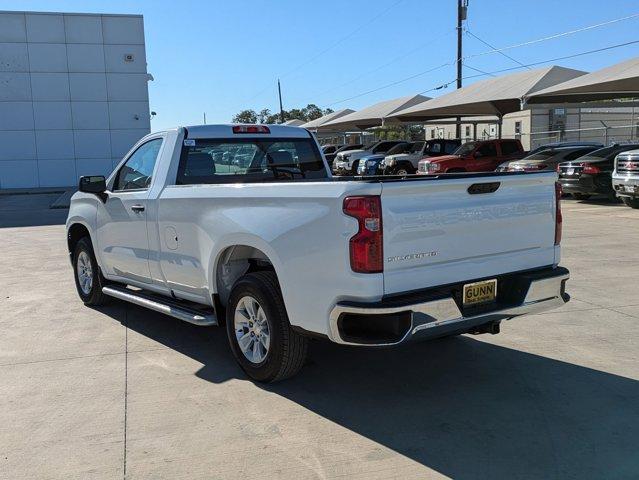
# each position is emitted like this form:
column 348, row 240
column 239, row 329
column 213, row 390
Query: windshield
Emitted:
column 355, row 146
column 417, row 147
column 543, row 155
column 607, row 152
column 383, row 147
column 465, row 149
column 401, row 148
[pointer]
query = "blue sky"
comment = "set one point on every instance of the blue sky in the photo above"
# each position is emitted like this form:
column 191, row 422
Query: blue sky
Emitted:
column 220, row 57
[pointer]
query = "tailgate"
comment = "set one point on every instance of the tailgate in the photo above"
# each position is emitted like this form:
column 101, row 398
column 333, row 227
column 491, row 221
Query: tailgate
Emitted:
column 436, row 232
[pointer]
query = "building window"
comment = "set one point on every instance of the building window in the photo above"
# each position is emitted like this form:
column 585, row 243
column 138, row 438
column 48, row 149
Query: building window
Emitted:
column 518, row 130
column 467, row 131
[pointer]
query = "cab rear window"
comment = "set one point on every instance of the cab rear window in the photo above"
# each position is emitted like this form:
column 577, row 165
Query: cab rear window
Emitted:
column 213, row 161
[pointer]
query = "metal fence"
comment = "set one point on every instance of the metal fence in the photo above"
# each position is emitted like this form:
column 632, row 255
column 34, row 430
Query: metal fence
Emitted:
column 605, row 134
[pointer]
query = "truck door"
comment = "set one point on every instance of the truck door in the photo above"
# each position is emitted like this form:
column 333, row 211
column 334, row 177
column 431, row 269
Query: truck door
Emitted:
column 484, row 157
column 122, row 219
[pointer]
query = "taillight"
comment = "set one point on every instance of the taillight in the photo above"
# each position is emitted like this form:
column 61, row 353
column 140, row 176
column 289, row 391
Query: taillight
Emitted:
column 251, row 129
column 366, row 246
column 558, row 217
column 591, row 169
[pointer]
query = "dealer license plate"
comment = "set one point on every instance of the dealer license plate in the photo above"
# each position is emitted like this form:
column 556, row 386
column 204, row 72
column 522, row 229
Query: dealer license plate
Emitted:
column 480, row 292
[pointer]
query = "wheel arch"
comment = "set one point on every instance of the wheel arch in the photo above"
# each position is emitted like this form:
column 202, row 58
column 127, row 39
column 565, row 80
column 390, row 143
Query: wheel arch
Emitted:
column 76, row 231
column 405, row 164
column 237, row 258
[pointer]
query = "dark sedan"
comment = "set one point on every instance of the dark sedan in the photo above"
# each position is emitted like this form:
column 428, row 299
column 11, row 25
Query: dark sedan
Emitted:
column 330, row 156
column 592, row 174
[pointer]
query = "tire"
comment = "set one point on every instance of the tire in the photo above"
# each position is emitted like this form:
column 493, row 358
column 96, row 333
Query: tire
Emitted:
column 282, row 352
column 354, row 168
column 631, row 202
column 86, row 267
column 581, row 196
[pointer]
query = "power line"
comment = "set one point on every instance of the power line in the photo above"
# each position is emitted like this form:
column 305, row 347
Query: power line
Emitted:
column 446, row 84
column 566, row 57
column 494, row 48
column 478, row 70
column 390, row 84
column 376, row 69
column 557, row 35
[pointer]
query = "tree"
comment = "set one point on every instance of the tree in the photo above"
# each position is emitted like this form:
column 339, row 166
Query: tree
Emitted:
column 245, row 116
column 311, row 112
column 264, row 115
column 308, row 113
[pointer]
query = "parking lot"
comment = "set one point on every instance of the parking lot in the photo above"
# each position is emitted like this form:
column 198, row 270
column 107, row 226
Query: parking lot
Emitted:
column 123, row 392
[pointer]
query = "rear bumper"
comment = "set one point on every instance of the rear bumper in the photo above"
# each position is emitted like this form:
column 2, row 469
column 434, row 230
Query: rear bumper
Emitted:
column 587, row 184
column 437, row 312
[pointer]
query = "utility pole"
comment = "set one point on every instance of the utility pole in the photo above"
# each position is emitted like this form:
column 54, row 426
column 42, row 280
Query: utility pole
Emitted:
column 279, row 91
column 462, row 9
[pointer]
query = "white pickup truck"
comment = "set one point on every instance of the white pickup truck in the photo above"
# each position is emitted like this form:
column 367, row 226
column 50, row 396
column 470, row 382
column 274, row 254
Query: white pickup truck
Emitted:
column 279, row 251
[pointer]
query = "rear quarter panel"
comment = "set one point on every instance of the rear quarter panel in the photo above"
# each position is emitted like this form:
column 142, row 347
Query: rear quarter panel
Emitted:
column 300, row 227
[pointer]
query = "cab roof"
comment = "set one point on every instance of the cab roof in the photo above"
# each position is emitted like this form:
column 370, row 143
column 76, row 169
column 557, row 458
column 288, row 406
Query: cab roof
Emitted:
column 226, row 131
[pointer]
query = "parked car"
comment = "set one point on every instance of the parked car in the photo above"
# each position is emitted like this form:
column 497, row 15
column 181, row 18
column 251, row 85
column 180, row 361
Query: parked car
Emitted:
column 331, row 148
column 407, row 163
column 565, row 144
column 278, row 259
column 346, row 163
column 625, row 178
column 545, row 159
column 479, row 156
column 344, row 148
column 371, row 164
column 592, row 173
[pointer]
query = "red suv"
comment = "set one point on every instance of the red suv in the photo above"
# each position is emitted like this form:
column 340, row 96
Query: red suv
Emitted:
column 480, row 156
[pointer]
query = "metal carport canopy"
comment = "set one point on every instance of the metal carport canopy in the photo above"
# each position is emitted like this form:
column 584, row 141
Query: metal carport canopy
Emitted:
column 318, row 122
column 294, row 122
column 493, row 96
column 617, row 81
column 373, row 116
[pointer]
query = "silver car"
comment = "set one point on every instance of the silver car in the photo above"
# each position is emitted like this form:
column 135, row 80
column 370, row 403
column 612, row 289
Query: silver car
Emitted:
column 545, row 160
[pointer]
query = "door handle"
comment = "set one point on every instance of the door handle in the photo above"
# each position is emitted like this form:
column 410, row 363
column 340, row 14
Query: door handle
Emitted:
column 137, row 208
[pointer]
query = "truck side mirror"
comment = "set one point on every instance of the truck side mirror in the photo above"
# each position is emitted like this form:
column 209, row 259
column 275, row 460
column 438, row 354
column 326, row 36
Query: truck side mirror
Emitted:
column 92, row 184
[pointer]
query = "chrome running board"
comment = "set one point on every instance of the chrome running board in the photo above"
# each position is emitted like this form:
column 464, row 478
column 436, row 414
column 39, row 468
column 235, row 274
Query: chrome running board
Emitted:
column 162, row 305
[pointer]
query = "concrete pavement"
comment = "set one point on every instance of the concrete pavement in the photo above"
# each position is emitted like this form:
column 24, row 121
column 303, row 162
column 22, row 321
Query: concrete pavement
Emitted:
column 97, row 393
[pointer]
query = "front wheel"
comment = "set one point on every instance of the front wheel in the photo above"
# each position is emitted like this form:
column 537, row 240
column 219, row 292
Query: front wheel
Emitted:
column 260, row 335
column 88, row 278
column 631, row 202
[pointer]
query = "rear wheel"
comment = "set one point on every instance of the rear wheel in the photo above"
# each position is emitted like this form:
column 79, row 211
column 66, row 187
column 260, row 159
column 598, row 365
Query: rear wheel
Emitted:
column 260, row 335
column 581, row 196
column 88, row 278
column 631, row 202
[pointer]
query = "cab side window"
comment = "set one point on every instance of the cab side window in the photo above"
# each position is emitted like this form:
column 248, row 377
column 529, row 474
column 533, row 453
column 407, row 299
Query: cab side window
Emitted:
column 509, row 148
column 487, row 150
column 137, row 172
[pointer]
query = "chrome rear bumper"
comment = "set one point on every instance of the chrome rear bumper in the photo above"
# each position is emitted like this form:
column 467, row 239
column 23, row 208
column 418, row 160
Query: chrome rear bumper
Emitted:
column 434, row 318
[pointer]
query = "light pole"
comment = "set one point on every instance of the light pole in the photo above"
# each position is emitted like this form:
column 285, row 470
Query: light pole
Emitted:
column 462, row 12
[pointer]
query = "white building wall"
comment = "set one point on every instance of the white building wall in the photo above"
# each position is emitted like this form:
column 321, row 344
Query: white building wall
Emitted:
column 73, row 95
